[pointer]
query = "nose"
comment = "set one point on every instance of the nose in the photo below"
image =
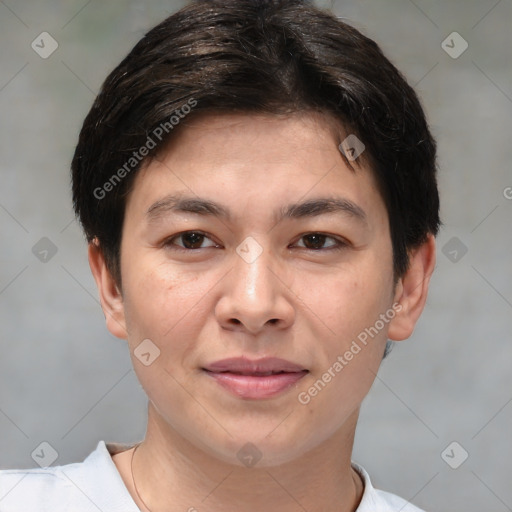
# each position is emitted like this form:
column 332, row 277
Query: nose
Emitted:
column 255, row 296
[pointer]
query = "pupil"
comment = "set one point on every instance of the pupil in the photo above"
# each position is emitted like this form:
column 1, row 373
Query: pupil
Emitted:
column 320, row 239
column 192, row 239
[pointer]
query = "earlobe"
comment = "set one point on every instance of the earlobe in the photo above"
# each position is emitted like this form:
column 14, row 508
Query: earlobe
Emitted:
column 111, row 298
column 412, row 290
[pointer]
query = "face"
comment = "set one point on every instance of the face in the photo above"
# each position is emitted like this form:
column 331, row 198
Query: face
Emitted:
column 256, row 275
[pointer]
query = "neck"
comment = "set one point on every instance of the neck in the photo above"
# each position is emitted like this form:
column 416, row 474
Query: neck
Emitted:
column 174, row 475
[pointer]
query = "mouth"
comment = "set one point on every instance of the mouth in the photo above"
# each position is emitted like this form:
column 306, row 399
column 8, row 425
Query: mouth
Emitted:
column 255, row 379
column 245, row 366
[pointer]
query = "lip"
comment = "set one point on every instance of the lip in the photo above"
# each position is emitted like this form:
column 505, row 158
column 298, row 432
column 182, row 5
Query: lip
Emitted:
column 246, row 366
column 255, row 379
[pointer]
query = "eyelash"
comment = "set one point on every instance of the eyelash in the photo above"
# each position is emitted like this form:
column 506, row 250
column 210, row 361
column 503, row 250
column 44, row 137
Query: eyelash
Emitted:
column 340, row 244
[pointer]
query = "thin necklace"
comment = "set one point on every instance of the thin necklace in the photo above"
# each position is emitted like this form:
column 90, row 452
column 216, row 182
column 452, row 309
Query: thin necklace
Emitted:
column 133, row 479
column 144, row 503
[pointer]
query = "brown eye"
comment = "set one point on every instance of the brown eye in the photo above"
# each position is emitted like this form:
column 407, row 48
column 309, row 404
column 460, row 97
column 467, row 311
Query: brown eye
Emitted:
column 316, row 241
column 189, row 240
column 192, row 240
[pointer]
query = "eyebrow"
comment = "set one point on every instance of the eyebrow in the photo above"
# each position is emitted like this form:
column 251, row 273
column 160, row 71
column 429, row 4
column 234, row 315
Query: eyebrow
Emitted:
column 206, row 207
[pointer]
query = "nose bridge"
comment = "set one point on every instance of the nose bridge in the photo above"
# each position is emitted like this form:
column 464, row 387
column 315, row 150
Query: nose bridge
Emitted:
column 254, row 296
column 254, row 281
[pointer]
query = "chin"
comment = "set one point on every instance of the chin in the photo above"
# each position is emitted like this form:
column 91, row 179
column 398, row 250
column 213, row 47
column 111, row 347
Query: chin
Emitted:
column 257, row 451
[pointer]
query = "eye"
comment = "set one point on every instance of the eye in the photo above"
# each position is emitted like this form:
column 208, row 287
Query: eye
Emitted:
column 193, row 240
column 315, row 241
column 190, row 240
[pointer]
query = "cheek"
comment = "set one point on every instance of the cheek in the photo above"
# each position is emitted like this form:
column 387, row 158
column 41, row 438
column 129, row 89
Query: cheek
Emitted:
column 351, row 305
column 161, row 301
column 163, row 305
column 348, row 301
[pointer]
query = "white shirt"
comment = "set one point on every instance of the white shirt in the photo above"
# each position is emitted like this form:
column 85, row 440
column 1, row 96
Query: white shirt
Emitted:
column 96, row 485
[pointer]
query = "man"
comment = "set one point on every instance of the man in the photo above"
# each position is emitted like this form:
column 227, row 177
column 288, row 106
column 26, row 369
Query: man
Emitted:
column 257, row 184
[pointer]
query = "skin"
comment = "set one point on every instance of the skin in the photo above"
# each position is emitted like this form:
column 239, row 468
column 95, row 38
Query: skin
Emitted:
column 297, row 300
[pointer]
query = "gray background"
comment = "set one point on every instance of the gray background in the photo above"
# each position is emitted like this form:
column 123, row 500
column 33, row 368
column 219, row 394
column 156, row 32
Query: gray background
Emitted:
column 65, row 380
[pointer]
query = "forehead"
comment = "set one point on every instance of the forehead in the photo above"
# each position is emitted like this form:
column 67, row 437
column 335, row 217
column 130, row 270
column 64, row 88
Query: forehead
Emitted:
column 243, row 131
column 253, row 159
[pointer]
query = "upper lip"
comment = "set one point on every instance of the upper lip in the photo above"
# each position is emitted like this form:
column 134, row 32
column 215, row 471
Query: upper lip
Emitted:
column 245, row 366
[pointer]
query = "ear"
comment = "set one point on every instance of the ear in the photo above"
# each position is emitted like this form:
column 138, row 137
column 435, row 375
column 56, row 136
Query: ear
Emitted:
column 111, row 298
column 412, row 289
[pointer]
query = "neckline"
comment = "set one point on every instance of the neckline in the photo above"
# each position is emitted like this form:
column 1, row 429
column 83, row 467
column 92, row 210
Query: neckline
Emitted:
column 115, row 448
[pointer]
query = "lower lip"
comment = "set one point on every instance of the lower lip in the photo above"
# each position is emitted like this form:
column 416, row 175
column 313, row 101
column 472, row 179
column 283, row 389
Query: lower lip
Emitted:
column 257, row 387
